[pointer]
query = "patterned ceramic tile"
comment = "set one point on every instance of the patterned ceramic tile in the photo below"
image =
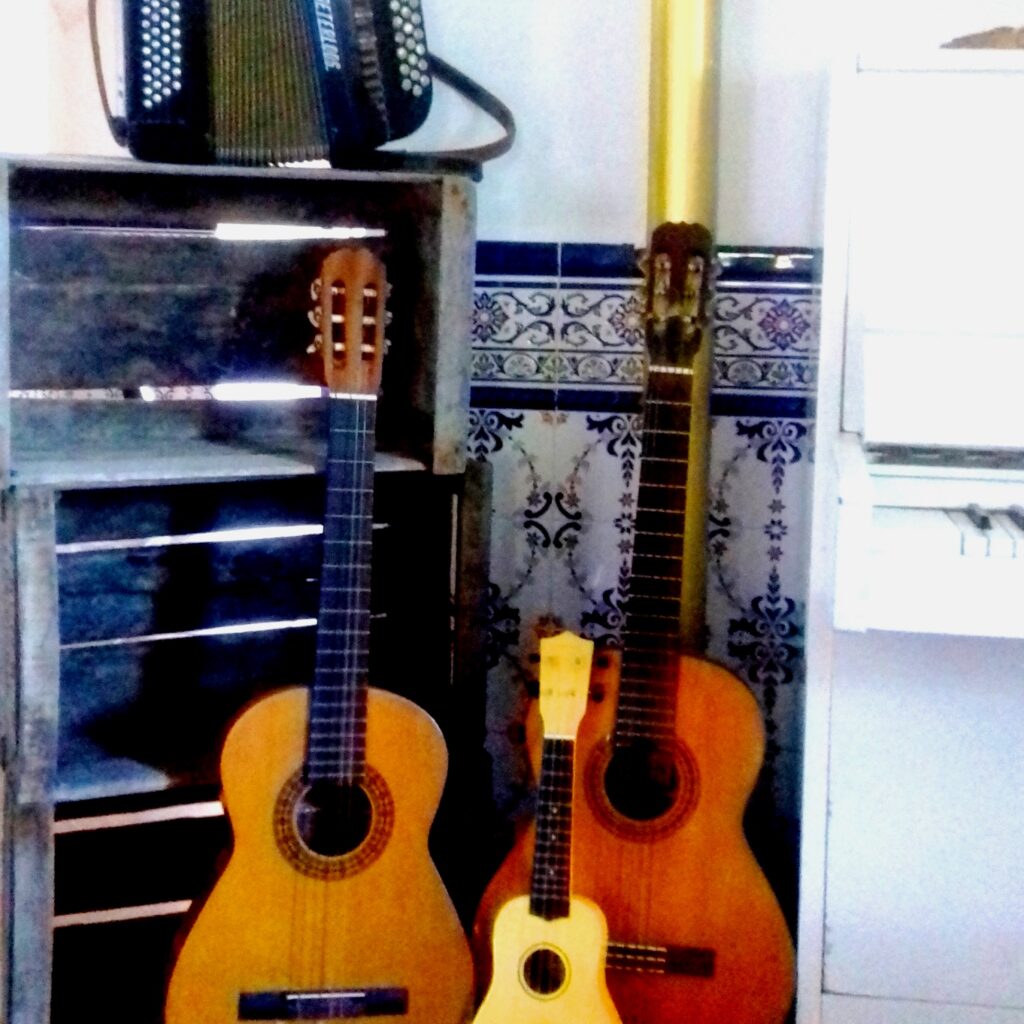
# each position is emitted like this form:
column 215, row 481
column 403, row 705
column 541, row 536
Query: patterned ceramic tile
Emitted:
column 579, row 331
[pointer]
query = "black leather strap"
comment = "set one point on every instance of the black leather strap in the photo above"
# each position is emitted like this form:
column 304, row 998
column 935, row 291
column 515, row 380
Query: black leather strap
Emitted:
column 460, row 161
column 486, row 101
column 118, row 126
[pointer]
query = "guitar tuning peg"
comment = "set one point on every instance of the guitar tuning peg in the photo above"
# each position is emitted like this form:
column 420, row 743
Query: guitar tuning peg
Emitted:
column 388, row 317
column 314, row 290
column 315, row 344
column 387, row 345
column 315, row 316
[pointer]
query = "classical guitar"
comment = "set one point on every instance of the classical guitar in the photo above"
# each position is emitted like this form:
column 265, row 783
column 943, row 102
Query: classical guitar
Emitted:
column 330, row 906
column 549, row 946
column 671, row 744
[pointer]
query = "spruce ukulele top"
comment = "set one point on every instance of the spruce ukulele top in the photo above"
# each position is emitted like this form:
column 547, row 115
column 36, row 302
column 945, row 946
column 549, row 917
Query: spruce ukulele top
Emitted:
column 549, row 946
column 330, row 906
column 671, row 752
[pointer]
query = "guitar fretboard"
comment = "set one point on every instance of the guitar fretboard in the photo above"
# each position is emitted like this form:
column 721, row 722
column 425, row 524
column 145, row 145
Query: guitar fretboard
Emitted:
column 549, row 885
column 646, row 707
column 336, row 739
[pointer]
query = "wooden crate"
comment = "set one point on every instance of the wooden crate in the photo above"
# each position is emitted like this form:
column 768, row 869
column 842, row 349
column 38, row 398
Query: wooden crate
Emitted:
column 136, row 620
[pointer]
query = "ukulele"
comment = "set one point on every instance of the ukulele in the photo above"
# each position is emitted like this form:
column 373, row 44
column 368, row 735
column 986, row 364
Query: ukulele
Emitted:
column 549, row 946
column 672, row 743
column 330, row 906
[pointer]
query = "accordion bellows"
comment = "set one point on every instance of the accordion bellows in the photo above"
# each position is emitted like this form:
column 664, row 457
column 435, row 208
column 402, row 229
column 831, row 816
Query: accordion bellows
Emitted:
column 272, row 81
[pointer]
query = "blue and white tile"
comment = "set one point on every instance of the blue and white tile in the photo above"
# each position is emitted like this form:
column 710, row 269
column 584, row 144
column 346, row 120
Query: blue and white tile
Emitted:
column 765, row 337
column 764, row 329
column 565, row 315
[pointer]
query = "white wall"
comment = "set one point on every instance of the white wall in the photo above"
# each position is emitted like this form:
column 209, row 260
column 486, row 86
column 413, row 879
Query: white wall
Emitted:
column 575, row 73
column 24, row 79
column 771, row 148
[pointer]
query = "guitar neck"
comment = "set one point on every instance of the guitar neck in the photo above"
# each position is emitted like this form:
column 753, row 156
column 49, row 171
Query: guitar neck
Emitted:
column 550, row 883
column 665, row 610
column 336, row 737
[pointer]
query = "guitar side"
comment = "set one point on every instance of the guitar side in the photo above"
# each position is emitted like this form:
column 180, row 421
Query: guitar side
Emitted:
column 280, row 920
column 579, row 939
column 686, row 881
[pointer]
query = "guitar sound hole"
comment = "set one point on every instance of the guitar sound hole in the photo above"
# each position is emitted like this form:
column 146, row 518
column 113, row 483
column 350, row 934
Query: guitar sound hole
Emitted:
column 544, row 972
column 642, row 780
column 333, row 818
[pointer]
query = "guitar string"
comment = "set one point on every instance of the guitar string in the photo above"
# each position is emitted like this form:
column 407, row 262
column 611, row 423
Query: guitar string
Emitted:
column 355, row 476
column 650, row 708
column 647, row 702
column 354, row 686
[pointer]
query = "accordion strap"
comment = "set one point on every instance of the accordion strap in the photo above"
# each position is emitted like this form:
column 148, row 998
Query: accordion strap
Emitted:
column 486, row 101
column 118, row 126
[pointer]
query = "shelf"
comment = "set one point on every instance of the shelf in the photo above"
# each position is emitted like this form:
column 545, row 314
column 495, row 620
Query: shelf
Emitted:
column 164, row 462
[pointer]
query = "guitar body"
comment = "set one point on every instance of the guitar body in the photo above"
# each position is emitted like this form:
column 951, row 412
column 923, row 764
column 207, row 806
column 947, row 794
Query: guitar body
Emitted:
column 675, row 871
column 571, row 982
column 284, row 919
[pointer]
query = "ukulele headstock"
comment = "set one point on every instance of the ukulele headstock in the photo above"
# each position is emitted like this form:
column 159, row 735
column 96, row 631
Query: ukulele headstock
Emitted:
column 349, row 298
column 564, row 682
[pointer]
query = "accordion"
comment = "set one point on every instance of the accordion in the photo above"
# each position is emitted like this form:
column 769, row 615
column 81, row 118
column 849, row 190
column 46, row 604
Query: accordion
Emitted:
column 261, row 82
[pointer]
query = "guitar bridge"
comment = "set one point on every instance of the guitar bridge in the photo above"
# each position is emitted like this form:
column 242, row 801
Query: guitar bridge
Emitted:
column 324, row 1005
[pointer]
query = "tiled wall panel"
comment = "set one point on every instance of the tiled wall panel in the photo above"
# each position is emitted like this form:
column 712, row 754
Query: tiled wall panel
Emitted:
column 557, row 356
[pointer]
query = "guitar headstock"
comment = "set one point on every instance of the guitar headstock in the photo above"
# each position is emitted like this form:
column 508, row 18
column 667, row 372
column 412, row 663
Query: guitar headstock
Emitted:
column 679, row 264
column 564, row 682
column 349, row 316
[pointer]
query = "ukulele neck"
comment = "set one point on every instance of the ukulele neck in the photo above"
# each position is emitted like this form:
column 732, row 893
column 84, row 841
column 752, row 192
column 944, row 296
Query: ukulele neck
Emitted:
column 550, row 884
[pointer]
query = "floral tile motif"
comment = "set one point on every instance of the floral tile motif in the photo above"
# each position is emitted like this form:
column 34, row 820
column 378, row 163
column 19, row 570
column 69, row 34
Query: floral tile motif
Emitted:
column 556, row 399
column 507, row 316
column 765, row 322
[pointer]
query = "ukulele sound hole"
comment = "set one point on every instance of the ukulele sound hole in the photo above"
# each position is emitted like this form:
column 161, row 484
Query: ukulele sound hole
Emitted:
column 333, row 818
column 544, row 971
column 642, row 780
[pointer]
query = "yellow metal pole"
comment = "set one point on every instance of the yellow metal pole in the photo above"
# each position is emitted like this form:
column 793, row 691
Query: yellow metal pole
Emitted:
column 683, row 144
column 684, row 111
